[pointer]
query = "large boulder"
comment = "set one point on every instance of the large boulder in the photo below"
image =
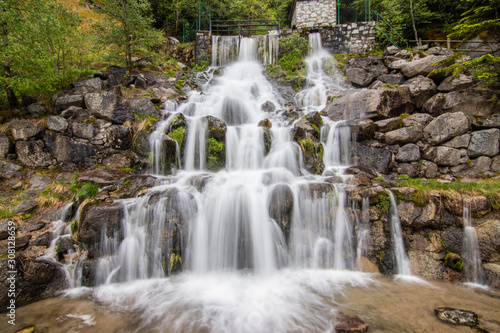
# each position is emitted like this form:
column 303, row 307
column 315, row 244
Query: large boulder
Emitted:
column 8, row 169
column 101, row 176
column 281, row 207
column 475, row 169
column 83, row 130
column 33, row 154
column 120, row 137
column 65, row 149
column 97, row 217
column 216, row 143
column 418, row 119
column 379, row 159
column 484, row 143
column 458, row 142
column 390, row 124
column 486, row 122
column 408, row 153
column 64, row 102
column 23, row 130
column 435, row 105
column 110, row 107
column 446, row 127
column 422, row 66
column 446, row 156
column 36, row 110
column 140, row 143
column 474, row 102
column 362, row 71
column 421, row 89
column 403, row 135
column 420, row 169
column 456, row 82
column 488, row 234
column 384, row 102
column 144, row 105
column 95, row 83
column 57, row 124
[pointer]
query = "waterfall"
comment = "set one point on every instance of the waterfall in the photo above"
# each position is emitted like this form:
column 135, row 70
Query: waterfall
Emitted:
column 402, row 261
column 472, row 256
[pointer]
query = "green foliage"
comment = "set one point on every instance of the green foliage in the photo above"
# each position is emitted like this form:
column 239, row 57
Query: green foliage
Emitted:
column 294, row 49
column 6, row 213
column 202, row 65
column 486, row 70
column 383, row 204
column 73, row 226
column 127, row 28
column 215, row 148
column 178, row 134
column 483, row 17
column 454, row 261
column 88, row 191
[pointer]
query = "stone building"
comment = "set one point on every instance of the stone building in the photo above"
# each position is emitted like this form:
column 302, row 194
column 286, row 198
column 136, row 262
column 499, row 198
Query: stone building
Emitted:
column 313, row 13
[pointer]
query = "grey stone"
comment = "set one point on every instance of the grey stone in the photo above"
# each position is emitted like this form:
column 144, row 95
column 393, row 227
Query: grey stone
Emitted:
column 495, row 164
column 488, row 234
column 403, row 135
column 403, row 54
column 422, row 66
column 8, row 169
column 435, row 105
column 391, row 50
column 57, row 124
column 141, row 143
column 456, row 82
column 379, row 159
column 75, row 113
column 408, row 153
column 36, row 110
column 437, row 50
column 117, row 161
column 83, row 130
column 6, row 146
column 102, row 176
column 95, row 83
column 418, row 119
column 67, row 150
column 461, row 141
column 4, row 229
column 33, row 154
column 486, row 122
column 476, row 102
column 120, row 137
column 39, row 183
column 421, row 88
column 108, row 106
column 25, row 206
column 398, row 64
column 144, row 106
column 23, row 130
column 446, row 156
column 474, row 169
column 64, row 102
column 391, row 124
column 392, row 78
column 65, row 177
column 446, row 127
column 484, row 143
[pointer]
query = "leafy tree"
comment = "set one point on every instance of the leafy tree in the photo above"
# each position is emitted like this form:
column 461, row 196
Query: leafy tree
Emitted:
column 483, row 17
column 126, row 26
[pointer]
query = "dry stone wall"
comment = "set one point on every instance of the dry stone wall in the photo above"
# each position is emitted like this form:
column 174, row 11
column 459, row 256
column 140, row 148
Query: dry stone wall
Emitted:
column 315, row 13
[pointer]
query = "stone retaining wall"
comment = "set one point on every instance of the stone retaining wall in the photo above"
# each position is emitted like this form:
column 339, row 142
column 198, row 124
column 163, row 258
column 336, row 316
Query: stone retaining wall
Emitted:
column 315, row 13
column 202, row 46
column 358, row 38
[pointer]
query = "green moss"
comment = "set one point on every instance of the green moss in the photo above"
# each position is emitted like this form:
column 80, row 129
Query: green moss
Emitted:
column 170, row 73
column 6, row 213
column 179, row 135
column 383, row 204
column 454, row 261
column 404, row 115
column 88, row 191
column 73, row 226
column 175, row 260
column 215, row 152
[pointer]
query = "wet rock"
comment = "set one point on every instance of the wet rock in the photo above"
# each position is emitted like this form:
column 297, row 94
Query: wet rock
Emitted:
column 488, row 234
column 422, row 66
column 474, row 169
column 446, row 156
column 456, row 82
column 314, row 118
column 312, row 153
column 67, row 150
column 349, row 323
column 8, row 169
column 64, row 102
column 366, row 171
column 446, row 127
column 94, row 219
column 391, row 124
column 120, row 137
column 83, row 130
column 39, row 183
column 377, row 158
column 64, row 245
column 484, row 143
column 57, row 124
column 140, row 143
column 408, row 153
column 265, row 123
column 281, row 207
column 403, row 135
column 423, row 264
column 132, row 185
column 33, row 154
column 144, row 106
column 268, row 107
column 365, row 129
column 457, row 316
column 458, row 142
column 101, row 176
column 486, row 122
column 109, row 106
column 23, row 130
column 421, row 89
column 268, row 141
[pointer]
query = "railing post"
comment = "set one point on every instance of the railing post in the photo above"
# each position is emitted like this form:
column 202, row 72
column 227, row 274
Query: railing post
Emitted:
column 420, row 42
column 448, row 43
column 279, row 25
column 239, row 28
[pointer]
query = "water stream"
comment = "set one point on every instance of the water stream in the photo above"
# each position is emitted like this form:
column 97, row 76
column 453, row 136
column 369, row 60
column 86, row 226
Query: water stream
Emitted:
column 471, row 255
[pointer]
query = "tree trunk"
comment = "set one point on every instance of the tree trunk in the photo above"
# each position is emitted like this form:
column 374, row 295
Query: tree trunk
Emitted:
column 11, row 97
column 413, row 20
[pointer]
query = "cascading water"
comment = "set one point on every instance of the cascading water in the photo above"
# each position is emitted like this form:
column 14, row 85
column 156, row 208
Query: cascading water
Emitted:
column 262, row 242
column 472, row 256
column 402, row 262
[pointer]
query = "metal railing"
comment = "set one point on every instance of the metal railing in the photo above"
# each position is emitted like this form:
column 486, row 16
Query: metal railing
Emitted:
column 243, row 27
column 481, row 46
column 392, row 35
